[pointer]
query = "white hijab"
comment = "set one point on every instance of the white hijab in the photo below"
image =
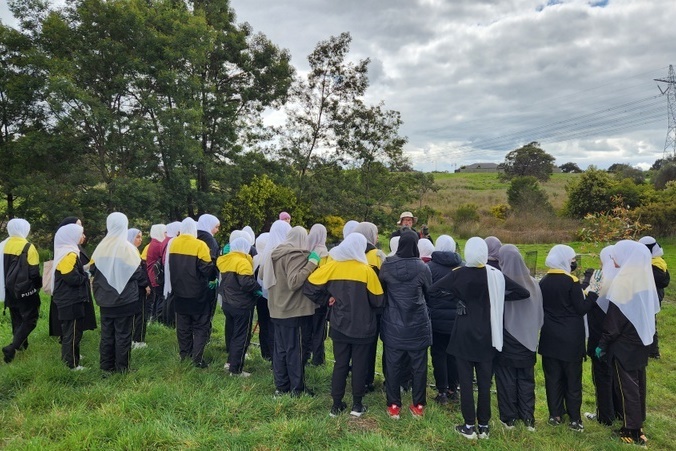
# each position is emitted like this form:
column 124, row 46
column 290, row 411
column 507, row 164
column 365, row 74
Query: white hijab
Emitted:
column 278, row 232
column 425, row 247
column 173, row 229
column 115, row 256
column 15, row 227
column 476, row 255
column 445, row 243
column 608, row 273
column 66, row 241
column 316, row 240
column 349, row 227
column 296, row 238
column 238, row 234
column 157, row 232
column 131, row 234
column 241, row 245
column 523, row 319
column 353, row 247
column 559, row 257
column 252, row 235
column 394, row 245
column 207, row 222
column 261, row 243
column 633, row 288
column 188, row 227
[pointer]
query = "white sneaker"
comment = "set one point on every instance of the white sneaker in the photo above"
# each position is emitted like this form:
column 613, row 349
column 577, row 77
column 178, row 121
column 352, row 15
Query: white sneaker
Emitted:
column 226, row 366
column 590, row 416
column 79, row 368
column 138, row 344
column 247, row 356
column 242, row 374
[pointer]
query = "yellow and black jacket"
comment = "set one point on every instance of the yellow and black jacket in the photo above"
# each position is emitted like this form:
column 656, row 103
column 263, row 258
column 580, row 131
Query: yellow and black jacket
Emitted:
column 190, row 267
column 70, row 282
column 357, row 291
column 13, row 249
column 661, row 275
column 238, row 285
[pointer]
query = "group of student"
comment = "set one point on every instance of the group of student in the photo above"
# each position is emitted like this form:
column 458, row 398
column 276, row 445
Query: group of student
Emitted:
column 480, row 316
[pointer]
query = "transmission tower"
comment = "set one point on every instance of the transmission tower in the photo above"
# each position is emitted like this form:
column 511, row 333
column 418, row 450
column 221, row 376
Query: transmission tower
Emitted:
column 670, row 92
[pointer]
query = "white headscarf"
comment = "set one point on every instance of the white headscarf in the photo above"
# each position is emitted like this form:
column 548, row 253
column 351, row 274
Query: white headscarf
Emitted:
column 369, row 230
column 608, row 272
column 633, row 288
column 277, row 236
column 240, row 244
column 316, row 240
column 131, row 234
column 251, row 235
column 173, row 229
column 476, row 255
column 352, row 248
column 655, row 249
column 559, row 257
column 238, row 234
column 494, row 245
column 261, row 243
column 425, row 247
column 296, row 238
column 157, row 232
column 207, row 222
column 66, row 241
column 115, row 256
column 187, row 227
column 445, row 243
column 523, row 319
column 16, row 227
column 394, row 244
column 349, row 227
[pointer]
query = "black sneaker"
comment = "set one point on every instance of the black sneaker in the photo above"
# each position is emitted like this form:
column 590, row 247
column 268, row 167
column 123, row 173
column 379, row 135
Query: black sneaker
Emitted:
column 576, row 426
column 509, row 424
column 530, row 425
column 337, row 409
column 442, row 399
column 466, row 431
column 628, row 437
column 201, row 364
column 454, row 396
column 483, row 431
column 358, row 410
column 9, row 353
column 554, row 421
column 370, row 388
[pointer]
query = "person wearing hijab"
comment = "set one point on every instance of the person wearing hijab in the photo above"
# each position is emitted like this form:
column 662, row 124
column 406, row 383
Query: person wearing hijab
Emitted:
column 628, row 331
column 284, row 216
column 425, row 247
column 135, row 238
column 607, row 404
column 349, row 227
column 71, row 292
column 208, row 226
column 239, row 290
column 20, row 284
column 89, row 320
column 515, row 364
column 118, row 274
column 350, row 286
column 481, row 291
column 442, row 313
column 662, row 279
column 286, row 269
column 265, row 328
column 173, row 230
column 314, row 332
column 405, row 325
column 154, row 258
column 562, row 336
column 494, row 245
column 394, row 243
column 189, row 269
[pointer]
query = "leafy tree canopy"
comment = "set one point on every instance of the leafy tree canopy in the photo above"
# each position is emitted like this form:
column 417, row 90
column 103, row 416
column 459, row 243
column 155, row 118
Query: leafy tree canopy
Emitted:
column 529, row 160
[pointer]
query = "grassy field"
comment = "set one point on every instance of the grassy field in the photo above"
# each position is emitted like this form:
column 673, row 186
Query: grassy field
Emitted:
column 165, row 404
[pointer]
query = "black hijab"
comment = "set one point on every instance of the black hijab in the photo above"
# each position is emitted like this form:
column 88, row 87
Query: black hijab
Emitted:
column 408, row 245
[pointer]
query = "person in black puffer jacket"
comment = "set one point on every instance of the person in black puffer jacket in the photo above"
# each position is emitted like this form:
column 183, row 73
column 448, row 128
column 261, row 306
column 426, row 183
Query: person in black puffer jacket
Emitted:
column 405, row 324
column 442, row 312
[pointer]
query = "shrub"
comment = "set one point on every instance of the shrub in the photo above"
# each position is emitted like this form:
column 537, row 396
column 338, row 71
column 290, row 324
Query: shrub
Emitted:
column 616, row 224
column 334, row 228
column 666, row 174
column 589, row 194
column 466, row 213
column 525, row 194
column 660, row 212
column 500, row 211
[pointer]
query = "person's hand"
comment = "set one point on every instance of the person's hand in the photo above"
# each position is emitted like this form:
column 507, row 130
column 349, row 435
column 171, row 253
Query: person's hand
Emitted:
column 332, row 301
column 148, row 291
column 226, row 249
column 314, row 257
column 213, row 284
column 258, row 293
column 600, row 353
column 595, row 282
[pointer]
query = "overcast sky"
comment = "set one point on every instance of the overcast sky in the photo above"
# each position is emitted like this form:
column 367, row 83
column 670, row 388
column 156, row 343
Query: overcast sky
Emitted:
column 474, row 79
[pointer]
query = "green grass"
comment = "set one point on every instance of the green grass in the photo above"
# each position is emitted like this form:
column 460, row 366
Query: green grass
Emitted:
column 165, row 404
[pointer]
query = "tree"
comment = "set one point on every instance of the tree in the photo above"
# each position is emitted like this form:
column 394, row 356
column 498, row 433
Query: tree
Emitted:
column 590, row 193
column 570, row 167
column 666, row 174
column 525, row 195
column 636, row 175
column 529, row 160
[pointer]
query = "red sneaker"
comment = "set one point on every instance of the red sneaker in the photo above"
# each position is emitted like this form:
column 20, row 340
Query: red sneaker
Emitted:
column 417, row 410
column 393, row 411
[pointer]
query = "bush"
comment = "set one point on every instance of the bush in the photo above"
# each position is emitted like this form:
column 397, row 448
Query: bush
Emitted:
column 466, row 213
column 666, row 174
column 334, row 228
column 525, row 194
column 589, row 194
column 500, row 211
column 660, row 212
column 619, row 223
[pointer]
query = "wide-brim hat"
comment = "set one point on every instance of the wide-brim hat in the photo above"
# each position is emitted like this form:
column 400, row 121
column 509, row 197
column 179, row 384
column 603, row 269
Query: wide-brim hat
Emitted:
column 407, row 214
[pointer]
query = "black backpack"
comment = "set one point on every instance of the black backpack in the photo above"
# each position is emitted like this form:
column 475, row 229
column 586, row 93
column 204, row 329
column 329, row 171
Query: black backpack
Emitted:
column 17, row 277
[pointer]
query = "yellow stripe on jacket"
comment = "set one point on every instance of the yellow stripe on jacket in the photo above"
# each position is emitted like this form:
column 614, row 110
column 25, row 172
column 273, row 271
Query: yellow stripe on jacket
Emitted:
column 15, row 245
column 561, row 271
column 351, row 270
column 236, row 262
